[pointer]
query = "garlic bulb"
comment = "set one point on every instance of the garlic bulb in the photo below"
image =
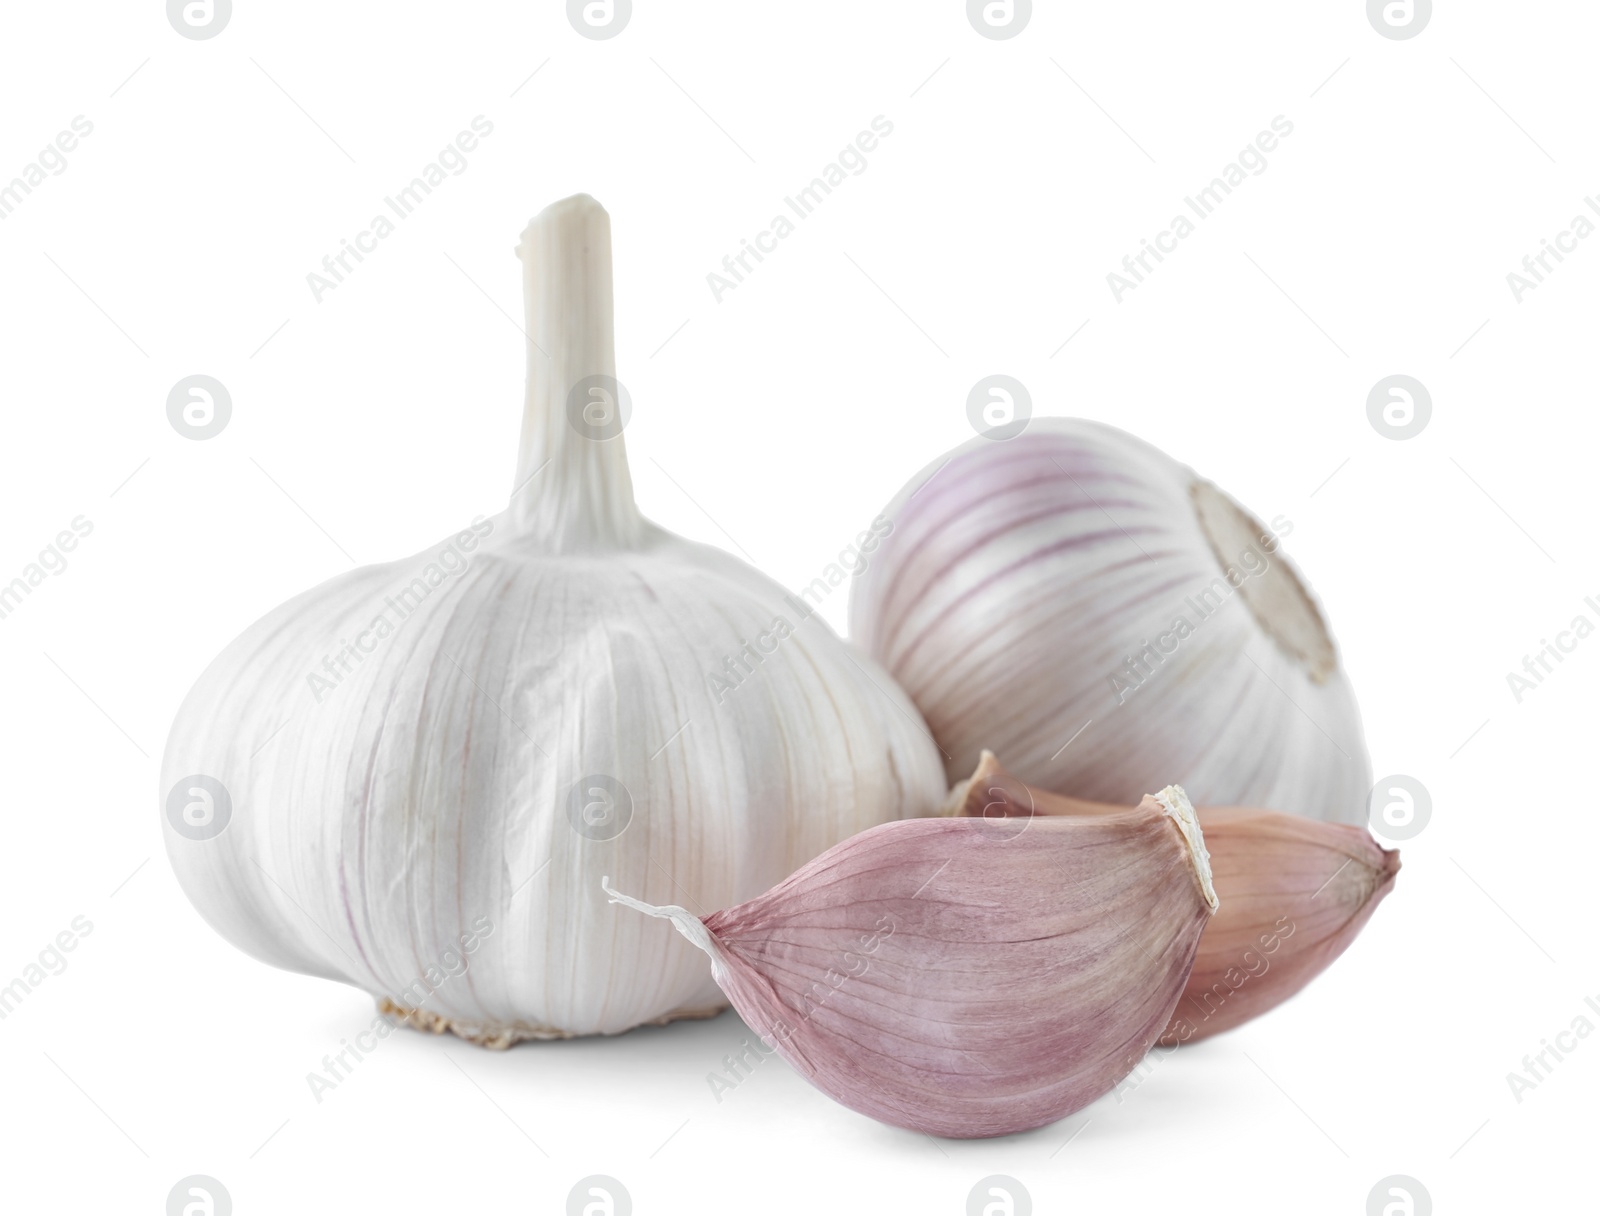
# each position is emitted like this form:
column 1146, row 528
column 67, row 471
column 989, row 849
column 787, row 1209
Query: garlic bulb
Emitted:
column 411, row 777
column 1294, row 893
column 967, row 978
column 1075, row 579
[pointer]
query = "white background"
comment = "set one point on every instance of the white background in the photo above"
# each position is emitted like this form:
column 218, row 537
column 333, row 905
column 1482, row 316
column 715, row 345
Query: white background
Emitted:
column 778, row 422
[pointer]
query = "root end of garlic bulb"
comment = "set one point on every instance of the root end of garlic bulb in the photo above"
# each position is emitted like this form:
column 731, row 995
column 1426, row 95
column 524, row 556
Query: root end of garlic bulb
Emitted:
column 1178, row 808
column 1274, row 594
column 685, row 921
column 497, row 1036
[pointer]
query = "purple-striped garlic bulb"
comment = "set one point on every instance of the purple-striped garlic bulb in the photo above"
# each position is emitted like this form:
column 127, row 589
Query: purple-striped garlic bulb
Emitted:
column 1094, row 611
column 966, row 978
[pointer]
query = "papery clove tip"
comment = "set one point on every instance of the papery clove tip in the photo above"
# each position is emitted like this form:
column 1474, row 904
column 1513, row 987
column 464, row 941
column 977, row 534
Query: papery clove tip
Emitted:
column 956, row 800
column 1179, row 809
column 685, row 921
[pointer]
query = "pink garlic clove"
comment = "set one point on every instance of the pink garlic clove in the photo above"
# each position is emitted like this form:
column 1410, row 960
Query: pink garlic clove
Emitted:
column 1298, row 891
column 1295, row 893
column 969, row 978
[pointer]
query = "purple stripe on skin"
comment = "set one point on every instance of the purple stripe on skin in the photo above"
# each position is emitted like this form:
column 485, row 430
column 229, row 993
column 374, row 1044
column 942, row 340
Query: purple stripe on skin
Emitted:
column 893, row 586
column 956, row 657
column 945, row 483
column 1038, row 555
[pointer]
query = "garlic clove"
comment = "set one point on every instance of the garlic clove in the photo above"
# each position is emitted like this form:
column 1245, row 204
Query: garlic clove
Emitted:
column 1295, row 893
column 1076, row 580
column 968, row 978
column 420, row 769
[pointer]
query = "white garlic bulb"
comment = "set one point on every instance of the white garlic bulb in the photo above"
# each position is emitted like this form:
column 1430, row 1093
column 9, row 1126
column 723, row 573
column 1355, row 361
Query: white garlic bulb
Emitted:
column 413, row 777
column 1101, row 618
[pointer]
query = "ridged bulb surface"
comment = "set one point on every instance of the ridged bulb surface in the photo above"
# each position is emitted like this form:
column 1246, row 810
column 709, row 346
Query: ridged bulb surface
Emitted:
column 1106, row 621
column 426, row 767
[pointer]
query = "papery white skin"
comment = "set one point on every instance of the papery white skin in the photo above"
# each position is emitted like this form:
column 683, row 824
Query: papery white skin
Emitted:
column 427, row 785
column 1020, row 577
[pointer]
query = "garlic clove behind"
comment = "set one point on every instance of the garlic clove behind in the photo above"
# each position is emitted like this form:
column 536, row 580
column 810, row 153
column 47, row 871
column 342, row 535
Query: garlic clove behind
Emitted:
column 1294, row 894
column 968, row 978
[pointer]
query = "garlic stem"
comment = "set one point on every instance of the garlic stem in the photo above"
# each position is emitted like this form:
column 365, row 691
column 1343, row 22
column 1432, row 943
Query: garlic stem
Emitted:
column 572, row 492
